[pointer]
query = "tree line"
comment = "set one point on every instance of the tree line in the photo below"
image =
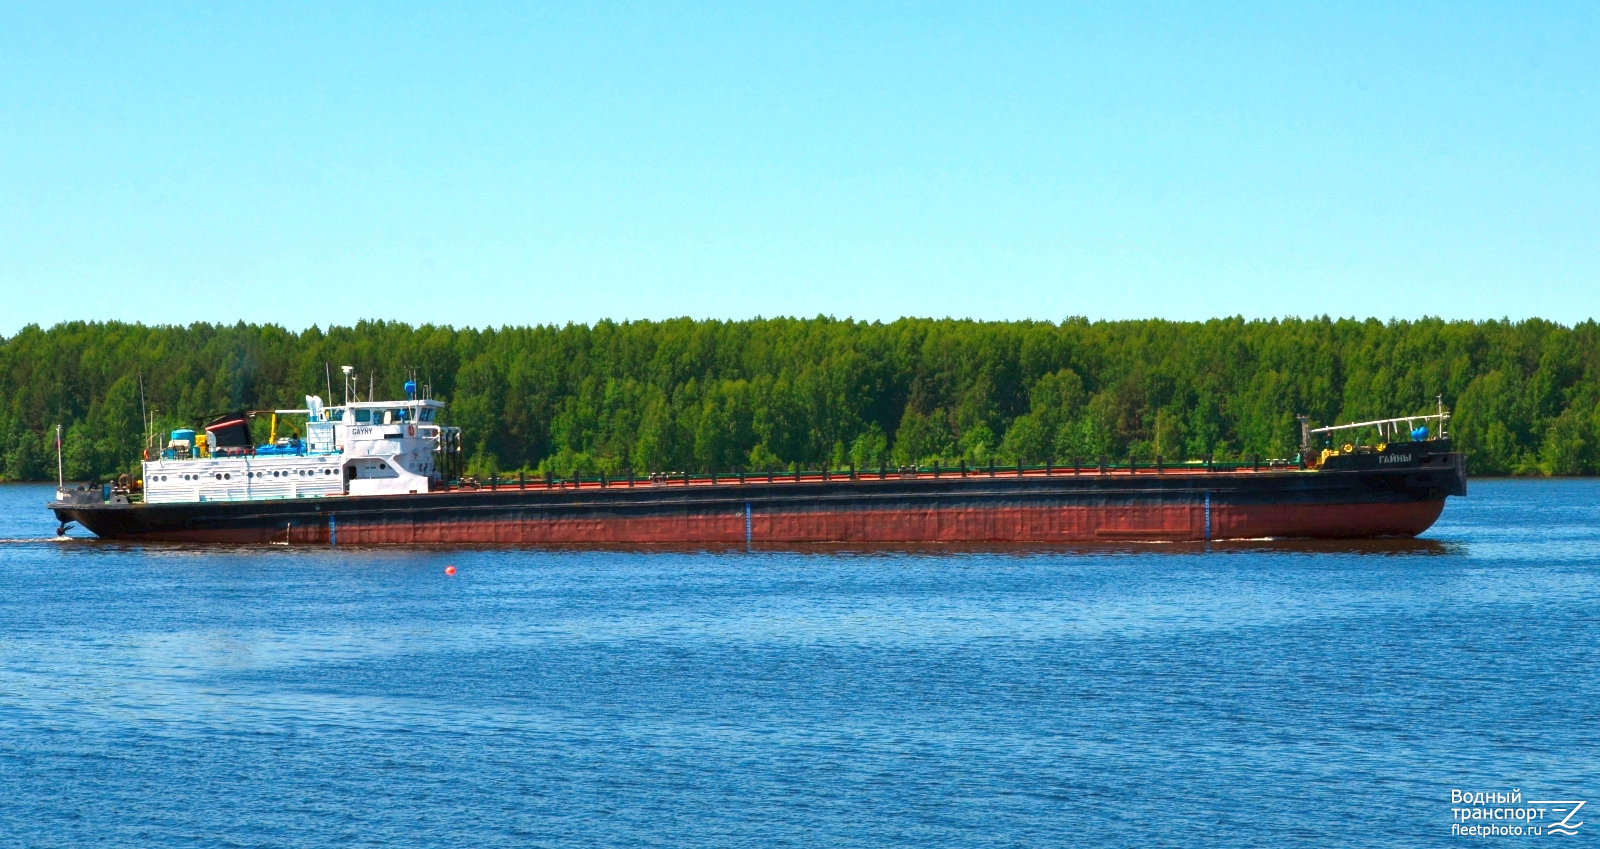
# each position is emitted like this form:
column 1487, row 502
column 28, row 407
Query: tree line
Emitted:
column 688, row 395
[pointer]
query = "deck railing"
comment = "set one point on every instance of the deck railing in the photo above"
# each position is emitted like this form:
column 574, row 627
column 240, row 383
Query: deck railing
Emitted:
column 936, row 471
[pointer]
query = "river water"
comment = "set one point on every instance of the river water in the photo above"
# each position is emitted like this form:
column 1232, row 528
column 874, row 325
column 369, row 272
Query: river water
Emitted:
column 1254, row 694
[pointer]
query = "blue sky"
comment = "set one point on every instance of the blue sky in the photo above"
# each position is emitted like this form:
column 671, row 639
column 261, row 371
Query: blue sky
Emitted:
column 302, row 164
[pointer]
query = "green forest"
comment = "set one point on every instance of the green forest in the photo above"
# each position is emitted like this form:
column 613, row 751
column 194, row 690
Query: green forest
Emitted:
column 688, row 395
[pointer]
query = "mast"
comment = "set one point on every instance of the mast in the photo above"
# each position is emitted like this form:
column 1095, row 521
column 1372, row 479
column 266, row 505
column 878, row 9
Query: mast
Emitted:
column 143, row 414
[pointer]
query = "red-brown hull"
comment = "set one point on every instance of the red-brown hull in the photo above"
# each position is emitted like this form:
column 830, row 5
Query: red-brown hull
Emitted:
column 1009, row 525
column 979, row 509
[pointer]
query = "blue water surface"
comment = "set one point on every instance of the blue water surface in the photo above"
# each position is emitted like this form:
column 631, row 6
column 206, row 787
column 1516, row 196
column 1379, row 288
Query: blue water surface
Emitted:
column 1254, row 694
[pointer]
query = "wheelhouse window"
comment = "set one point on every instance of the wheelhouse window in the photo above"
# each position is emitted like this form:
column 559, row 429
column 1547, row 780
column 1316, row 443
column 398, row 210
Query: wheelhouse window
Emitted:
column 363, row 417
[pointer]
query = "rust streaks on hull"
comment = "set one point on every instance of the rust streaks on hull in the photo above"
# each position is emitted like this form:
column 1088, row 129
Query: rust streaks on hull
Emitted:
column 1003, row 525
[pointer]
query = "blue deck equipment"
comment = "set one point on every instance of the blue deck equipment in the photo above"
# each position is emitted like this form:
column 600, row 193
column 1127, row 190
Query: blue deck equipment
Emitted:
column 283, row 447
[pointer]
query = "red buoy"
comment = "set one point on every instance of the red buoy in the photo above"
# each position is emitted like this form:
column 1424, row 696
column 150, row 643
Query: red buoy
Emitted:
column 449, row 570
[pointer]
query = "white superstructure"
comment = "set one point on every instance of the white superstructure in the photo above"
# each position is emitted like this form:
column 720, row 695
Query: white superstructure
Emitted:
column 360, row 448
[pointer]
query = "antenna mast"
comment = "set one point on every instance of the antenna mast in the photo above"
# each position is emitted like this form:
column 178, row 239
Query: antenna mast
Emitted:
column 143, row 414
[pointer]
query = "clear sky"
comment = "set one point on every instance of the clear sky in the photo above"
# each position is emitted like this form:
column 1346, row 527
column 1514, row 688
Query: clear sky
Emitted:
column 328, row 162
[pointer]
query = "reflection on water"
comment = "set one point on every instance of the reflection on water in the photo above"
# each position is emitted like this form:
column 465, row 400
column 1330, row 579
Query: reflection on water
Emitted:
column 1083, row 549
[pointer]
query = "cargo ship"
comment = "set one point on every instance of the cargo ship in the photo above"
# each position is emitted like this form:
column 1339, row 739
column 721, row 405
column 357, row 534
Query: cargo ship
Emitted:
column 388, row 473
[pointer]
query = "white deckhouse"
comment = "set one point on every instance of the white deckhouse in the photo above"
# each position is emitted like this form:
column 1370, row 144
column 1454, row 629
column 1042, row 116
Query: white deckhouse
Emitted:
column 359, row 448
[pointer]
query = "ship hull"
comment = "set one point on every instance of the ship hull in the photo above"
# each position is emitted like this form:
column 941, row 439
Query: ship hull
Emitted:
column 1062, row 507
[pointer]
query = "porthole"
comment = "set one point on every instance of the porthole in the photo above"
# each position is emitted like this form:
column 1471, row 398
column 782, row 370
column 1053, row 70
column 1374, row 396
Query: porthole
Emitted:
column 228, row 475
